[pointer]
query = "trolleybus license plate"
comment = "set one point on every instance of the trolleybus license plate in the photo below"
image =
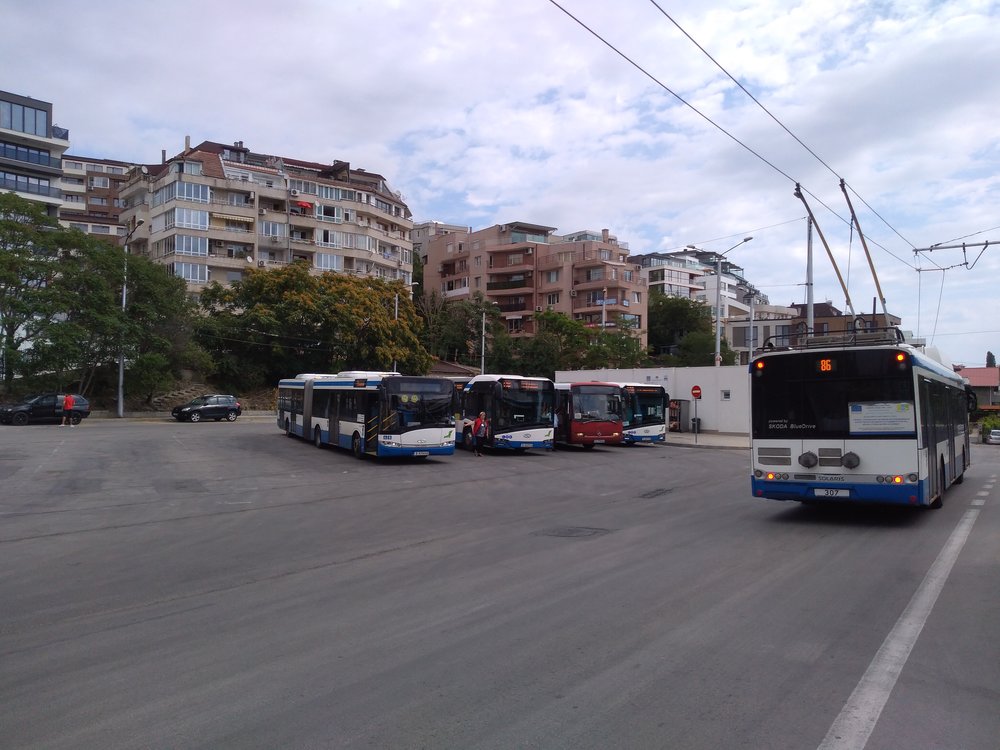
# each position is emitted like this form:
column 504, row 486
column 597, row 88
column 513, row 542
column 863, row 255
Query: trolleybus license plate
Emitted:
column 421, row 453
column 525, row 445
column 827, row 492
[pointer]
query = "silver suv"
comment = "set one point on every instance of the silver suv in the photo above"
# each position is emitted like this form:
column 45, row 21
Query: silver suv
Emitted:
column 993, row 438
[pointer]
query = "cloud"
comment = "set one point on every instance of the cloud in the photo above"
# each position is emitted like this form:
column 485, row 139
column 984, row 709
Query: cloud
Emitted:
column 487, row 112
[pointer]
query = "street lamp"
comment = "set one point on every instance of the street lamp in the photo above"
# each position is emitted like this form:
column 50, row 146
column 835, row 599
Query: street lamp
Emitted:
column 718, row 298
column 121, row 349
column 482, row 345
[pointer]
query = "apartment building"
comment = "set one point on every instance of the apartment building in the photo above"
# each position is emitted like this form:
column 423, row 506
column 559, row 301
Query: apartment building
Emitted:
column 525, row 268
column 31, row 150
column 214, row 210
column 91, row 191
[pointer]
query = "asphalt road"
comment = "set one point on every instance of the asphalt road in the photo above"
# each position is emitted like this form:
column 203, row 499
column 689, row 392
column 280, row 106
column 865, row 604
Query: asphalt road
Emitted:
column 212, row 585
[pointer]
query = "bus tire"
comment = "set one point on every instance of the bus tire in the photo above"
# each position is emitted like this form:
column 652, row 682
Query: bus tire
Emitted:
column 588, row 446
column 318, row 438
column 288, row 428
column 939, row 500
column 467, row 440
column 961, row 477
column 356, row 446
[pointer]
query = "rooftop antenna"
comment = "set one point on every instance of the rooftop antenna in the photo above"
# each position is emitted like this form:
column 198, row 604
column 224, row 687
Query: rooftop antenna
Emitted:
column 868, row 255
column 833, row 262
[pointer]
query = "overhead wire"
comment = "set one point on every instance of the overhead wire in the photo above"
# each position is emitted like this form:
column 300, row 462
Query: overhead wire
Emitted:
column 708, row 119
column 787, row 130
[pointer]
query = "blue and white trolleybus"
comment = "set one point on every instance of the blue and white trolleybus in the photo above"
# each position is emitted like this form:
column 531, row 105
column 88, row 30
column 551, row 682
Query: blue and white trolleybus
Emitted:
column 862, row 417
column 370, row 413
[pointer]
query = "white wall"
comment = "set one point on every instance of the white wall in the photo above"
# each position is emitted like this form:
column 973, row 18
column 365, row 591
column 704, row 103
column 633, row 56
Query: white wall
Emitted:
column 715, row 413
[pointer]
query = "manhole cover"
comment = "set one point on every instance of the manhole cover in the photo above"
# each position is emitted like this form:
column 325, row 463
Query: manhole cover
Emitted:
column 574, row 532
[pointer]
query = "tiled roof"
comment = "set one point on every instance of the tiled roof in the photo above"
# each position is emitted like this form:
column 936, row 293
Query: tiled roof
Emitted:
column 981, row 377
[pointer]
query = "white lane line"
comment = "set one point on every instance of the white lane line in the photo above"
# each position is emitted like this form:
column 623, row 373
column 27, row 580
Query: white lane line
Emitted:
column 982, row 494
column 856, row 721
column 979, row 501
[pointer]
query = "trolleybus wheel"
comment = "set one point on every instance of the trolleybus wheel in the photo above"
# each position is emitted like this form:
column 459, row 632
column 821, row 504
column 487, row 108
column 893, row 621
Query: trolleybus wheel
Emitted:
column 961, row 477
column 288, row 428
column 318, row 438
column 939, row 500
column 356, row 446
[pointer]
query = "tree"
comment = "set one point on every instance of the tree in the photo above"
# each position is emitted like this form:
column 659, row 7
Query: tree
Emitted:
column 86, row 330
column 284, row 321
column 28, row 244
column 670, row 319
column 991, row 361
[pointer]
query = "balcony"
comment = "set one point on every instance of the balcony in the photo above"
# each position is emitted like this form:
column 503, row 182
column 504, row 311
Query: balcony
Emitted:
column 22, row 186
column 512, row 307
column 526, row 283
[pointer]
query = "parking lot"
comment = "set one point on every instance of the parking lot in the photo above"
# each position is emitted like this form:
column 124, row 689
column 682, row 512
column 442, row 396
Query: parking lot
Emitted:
column 221, row 585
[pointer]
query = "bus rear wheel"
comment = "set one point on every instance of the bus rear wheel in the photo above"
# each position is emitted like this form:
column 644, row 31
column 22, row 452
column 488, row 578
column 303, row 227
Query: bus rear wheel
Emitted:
column 939, row 500
column 356, row 446
column 318, row 438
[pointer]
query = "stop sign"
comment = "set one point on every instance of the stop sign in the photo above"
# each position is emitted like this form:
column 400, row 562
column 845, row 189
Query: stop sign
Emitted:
column 696, row 391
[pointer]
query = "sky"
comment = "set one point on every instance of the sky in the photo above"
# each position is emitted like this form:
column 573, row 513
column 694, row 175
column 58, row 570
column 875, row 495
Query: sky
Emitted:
column 483, row 112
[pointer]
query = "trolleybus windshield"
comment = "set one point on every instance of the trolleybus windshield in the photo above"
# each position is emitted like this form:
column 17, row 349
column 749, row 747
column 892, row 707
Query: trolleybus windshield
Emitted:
column 419, row 402
column 643, row 406
column 524, row 403
column 836, row 394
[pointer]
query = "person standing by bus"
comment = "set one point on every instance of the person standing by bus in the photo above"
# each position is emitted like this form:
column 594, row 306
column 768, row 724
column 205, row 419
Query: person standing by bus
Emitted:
column 68, row 403
column 480, row 431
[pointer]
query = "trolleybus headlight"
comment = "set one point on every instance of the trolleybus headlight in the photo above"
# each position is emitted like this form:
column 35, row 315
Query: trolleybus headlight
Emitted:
column 851, row 460
column 808, row 459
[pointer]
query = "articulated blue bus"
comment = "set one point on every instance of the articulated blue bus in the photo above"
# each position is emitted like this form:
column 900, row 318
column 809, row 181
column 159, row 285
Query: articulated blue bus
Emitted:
column 370, row 413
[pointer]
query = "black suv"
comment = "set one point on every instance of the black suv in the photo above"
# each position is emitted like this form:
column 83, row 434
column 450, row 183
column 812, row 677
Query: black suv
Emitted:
column 213, row 406
column 47, row 407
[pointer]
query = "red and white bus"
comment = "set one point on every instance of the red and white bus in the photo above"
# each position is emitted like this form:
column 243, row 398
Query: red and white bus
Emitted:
column 588, row 414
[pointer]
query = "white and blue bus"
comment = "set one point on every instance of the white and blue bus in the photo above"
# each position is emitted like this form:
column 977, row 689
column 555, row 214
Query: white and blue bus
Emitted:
column 858, row 418
column 519, row 410
column 370, row 413
column 644, row 413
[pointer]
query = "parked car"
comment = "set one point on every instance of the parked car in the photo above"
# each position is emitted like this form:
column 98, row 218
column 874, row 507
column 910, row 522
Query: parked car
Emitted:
column 213, row 406
column 45, row 408
column 993, row 438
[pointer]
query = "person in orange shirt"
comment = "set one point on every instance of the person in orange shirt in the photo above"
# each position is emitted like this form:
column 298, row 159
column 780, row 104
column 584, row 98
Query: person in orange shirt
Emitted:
column 68, row 403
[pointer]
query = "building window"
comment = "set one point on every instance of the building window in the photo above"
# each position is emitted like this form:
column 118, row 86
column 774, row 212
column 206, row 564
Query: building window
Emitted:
column 72, row 165
column 193, row 272
column 186, row 244
column 95, row 201
column 552, row 277
column 100, row 229
column 478, row 261
column 329, row 262
column 24, row 119
column 274, row 229
column 515, row 259
column 725, row 394
column 73, row 198
column 188, row 218
column 80, row 227
column 552, row 299
column 637, row 297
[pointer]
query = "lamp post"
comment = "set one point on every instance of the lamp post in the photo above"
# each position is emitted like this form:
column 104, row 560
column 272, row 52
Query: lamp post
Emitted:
column 482, row 344
column 718, row 298
column 604, row 308
column 121, row 349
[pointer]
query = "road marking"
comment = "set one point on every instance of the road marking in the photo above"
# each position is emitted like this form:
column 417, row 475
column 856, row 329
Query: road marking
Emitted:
column 856, row 721
column 979, row 501
column 982, row 494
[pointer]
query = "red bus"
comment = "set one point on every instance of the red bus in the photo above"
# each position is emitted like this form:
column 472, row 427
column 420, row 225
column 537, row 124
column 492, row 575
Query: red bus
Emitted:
column 588, row 414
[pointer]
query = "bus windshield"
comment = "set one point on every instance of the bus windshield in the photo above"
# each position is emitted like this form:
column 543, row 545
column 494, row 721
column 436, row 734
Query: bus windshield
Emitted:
column 643, row 406
column 524, row 403
column 596, row 403
column 419, row 402
column 832, row 395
